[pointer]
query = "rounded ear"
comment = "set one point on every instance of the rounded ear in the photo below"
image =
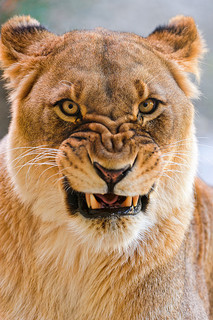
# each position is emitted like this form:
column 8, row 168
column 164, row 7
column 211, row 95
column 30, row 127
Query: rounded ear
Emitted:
column 20, row 37
column 23, row 43
column 180, row 41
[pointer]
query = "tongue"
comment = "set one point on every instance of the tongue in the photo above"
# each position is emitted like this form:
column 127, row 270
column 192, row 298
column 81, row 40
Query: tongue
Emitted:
column 108, row 198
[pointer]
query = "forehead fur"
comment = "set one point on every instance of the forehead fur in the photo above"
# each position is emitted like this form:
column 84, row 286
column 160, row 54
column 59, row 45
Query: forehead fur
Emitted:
column 25, row 44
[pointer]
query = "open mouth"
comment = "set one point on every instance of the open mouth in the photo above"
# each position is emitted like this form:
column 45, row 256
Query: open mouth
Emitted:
column 103, row 205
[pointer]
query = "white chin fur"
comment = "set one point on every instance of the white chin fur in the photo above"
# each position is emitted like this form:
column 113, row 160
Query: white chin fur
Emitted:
column 112, row 234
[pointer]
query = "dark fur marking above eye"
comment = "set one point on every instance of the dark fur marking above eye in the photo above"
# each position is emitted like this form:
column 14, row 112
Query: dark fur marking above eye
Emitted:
column 139, row 87
column 78, row 88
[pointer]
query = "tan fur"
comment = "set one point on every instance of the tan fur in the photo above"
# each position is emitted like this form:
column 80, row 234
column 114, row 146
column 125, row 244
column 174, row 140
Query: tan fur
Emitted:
column 58, row 265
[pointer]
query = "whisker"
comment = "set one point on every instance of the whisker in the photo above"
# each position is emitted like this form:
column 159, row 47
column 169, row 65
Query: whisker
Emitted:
column 30, row 164
column 33, row 152
column 183, row 160
column 176, row 163
column 173, row 170
column 49, row 176
column 177, row 142
column 180, row 152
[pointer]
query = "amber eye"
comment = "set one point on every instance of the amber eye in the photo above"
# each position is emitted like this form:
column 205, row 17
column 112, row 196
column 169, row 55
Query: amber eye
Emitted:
column 68, row 110
column 68, row 107
column 148, row 106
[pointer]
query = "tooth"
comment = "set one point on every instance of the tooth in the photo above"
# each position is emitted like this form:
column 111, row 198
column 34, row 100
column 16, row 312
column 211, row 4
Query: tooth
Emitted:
column 135, row 200
column 127, row 202
column 87, row 195
column 94, row 203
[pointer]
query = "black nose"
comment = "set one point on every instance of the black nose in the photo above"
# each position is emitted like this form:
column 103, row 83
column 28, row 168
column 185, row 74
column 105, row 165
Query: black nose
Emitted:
column 111, row 177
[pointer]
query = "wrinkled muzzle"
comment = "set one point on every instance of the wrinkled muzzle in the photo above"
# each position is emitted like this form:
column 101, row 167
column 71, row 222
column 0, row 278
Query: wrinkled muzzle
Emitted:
column 107, row 173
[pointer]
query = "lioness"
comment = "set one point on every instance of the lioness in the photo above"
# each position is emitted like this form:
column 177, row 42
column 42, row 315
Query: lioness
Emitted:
column 101, row 216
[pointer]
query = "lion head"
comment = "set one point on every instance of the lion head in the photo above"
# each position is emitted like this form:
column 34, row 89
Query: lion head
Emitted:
column 101, row 140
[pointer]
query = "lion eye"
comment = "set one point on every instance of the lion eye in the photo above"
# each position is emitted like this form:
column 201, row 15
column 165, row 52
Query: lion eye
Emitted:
column 148, row 106
column 69, row 108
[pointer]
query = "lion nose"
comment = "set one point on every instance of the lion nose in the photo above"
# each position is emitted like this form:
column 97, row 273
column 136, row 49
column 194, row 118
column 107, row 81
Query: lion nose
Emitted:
column 111, row 177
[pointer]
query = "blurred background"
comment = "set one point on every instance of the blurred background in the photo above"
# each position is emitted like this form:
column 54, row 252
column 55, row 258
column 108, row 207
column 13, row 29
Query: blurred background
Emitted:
column 138, row 16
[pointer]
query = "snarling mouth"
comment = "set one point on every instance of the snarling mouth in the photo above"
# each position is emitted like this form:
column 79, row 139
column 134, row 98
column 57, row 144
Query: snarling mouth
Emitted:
column 103, row 205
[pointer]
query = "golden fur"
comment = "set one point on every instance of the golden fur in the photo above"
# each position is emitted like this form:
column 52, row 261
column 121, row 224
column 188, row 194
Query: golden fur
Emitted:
column 56, row 264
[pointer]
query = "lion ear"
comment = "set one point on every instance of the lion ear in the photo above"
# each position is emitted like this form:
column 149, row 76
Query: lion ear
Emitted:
column 180, row 41
column 20, row 37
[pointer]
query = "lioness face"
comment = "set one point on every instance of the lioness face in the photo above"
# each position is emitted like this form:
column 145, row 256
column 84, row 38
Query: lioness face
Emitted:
column 102, row 132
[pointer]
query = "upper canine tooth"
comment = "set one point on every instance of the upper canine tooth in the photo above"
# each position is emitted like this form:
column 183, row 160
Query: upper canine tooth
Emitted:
column 87, row 196
column 127, row 202
column 135, row 200
column 94, row 203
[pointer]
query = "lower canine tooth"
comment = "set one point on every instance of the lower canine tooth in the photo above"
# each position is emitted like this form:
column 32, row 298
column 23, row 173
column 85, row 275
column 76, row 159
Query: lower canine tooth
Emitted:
column 127, row 202
column 94, row 203
column 135, row 200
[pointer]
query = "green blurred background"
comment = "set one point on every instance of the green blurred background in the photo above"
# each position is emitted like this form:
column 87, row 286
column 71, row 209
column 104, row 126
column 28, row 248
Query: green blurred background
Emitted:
column 141, row 17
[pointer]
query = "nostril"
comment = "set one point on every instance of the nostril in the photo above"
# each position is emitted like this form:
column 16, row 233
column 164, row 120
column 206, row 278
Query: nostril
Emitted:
column 111, row 177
